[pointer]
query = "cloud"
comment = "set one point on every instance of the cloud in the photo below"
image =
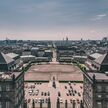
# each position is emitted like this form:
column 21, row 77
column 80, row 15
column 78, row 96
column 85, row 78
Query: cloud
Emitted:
column 52, row 15
column 99, row 17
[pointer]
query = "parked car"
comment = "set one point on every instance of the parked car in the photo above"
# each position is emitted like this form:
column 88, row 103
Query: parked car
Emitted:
column 59, row 94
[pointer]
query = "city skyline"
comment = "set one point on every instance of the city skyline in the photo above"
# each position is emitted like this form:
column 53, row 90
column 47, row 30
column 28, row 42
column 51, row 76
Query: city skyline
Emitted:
column 52, row 20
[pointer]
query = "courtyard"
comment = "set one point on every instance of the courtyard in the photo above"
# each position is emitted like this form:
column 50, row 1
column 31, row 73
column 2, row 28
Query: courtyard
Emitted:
column 45, row 72
column 53, row 81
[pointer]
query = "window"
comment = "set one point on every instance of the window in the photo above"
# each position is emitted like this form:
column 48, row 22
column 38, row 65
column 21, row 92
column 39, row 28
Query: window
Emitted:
column 17, row 100
column 19, row 96
column 99, row 96
column 7, row 104
column 106, row 96
column 22, row 92
column 99, row 104
column 106, row 89
column 0, row 88
column 7, row 88
column 99, row 88
column 107, row 105
column 17, row 85
column 0, row 104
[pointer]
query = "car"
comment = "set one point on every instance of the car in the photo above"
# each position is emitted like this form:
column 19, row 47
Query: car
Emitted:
column 37, row 90
column 74, row 83
column 46, row 100
column 39, row 100
column 70, row 94
column 59, row 94
column 69, row 91
column 75, row 91
column 37, row 83
column 26, row 86
column 81, row 87
column 30, row 91
column 42, row 100
column 42, row 93
column 29, row 100
column 67, row 94
column 65, row 87
column 70, row 87
column 73, row 94
column 45, row 94
column 36, row 94
column 69, row 82
column 78, row 102
column 72, row 91
column 71, row 100
column 48, row 93
column 61, row 101
column 33, row 93
column 36, row 100
column 79, row 94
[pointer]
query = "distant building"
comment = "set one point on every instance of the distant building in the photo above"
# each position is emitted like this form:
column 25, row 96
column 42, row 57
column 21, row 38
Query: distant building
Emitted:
column 48, row 53
column 16, row 58
column 95, row 90
column 105, row 39
column 101, row 63
column 40, row 53
column 11, row 90
column 34, row 51
column 80, row 59
column 26, row 52
column 94, row 56
column 65, row 59
column 42, row 59
column 28, row 58
column 6, row 63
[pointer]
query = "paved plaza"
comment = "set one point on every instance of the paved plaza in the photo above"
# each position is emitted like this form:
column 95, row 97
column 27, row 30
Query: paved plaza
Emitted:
column 61, row 72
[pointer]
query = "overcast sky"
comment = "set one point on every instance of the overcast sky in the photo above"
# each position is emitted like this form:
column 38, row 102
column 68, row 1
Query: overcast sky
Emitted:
column 53, row 19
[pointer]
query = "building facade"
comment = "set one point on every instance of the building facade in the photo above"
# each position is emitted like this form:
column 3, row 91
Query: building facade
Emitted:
column 95, row 90
column 11, row 90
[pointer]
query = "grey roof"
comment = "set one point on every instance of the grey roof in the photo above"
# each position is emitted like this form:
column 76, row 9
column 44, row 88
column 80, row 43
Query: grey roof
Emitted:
column 27, row 56
column 35, row 48
column 95, row 55
column 8, row 75
column 66, row 58
column 98, row 76
column 102, row 59
column 4, row 59
column 12, row 55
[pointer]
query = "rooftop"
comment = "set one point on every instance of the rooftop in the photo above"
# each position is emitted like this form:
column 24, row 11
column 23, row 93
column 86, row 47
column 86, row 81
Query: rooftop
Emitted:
column 102, row 59
column 12, row 55
column 4, row 59
column 24, row 56
column 8, row 75
column 95, row 55
column 98, row 76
